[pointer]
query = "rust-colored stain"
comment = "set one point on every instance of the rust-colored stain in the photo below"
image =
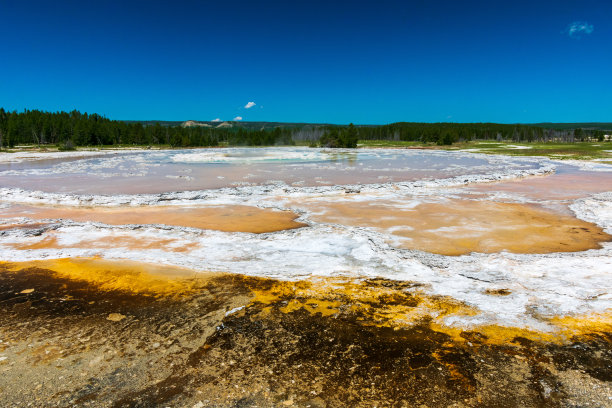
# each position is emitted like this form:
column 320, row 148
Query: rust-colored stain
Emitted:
column 231, row 218
column 234, row 340
column 396, row 304
column 372, row 302
column 120, row 275
column 458, row 227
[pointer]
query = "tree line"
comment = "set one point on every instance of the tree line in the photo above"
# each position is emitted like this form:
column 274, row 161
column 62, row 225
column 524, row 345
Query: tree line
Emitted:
column 449, row 133
column 69, row 129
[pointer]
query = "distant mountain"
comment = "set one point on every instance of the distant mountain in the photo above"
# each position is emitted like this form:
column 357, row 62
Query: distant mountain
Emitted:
column 250, row 125
column 193, row 123
column 230, row 124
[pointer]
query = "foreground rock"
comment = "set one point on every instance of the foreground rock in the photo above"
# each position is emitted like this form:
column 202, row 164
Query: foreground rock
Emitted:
column 199, row 347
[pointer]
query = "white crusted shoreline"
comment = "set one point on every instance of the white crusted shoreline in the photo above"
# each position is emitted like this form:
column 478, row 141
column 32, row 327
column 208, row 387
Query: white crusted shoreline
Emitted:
column 551, row 285
column 541, row 286
column 252, row 194
column 26, row 156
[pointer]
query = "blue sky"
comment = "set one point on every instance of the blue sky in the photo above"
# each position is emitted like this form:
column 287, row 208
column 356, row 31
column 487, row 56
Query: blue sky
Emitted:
column 311, row 61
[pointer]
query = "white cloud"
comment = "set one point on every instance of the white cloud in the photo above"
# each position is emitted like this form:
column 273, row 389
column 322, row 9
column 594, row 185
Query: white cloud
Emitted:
column 216, row 120
column 238, row 118
column 579, row 28
column 249, row 105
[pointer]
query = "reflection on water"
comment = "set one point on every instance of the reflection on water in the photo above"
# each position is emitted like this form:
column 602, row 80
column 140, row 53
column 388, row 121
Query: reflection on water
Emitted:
column 197, row 169
column 566, row 184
